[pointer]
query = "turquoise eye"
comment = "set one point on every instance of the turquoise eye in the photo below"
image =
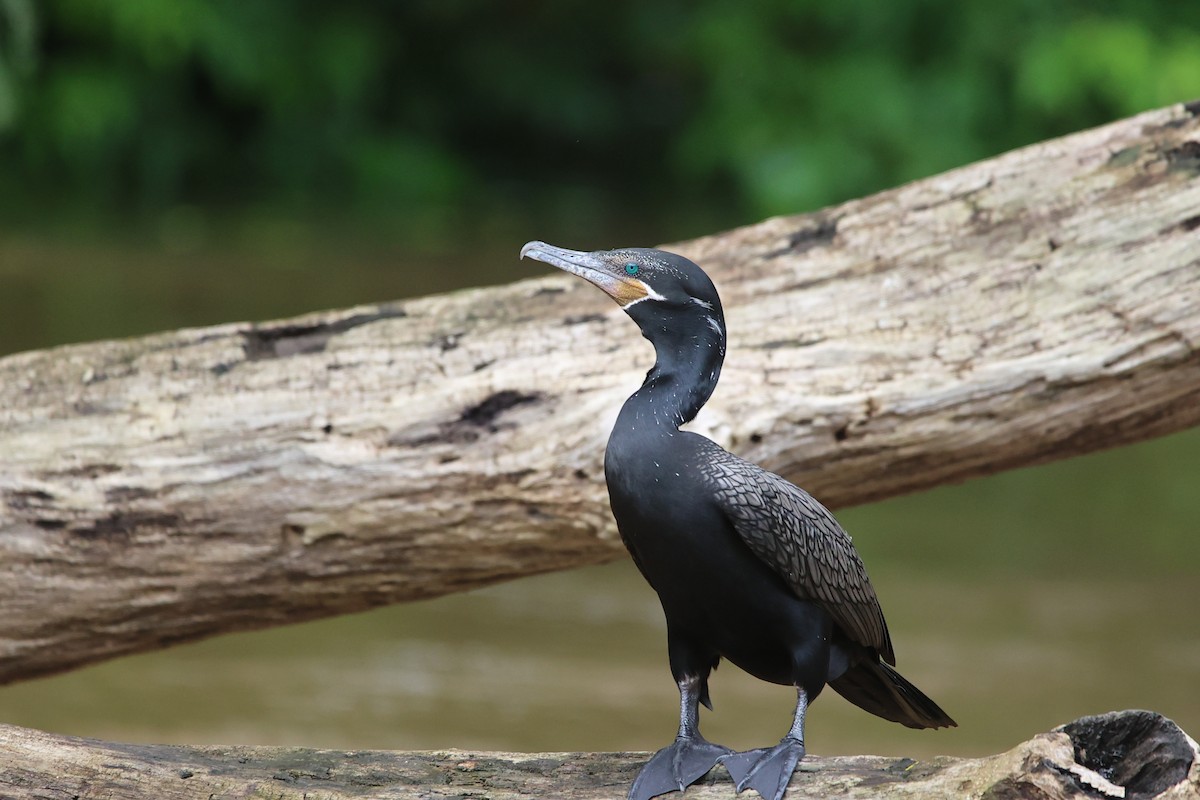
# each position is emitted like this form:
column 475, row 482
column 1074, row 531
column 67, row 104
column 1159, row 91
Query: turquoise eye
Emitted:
column 631, row 269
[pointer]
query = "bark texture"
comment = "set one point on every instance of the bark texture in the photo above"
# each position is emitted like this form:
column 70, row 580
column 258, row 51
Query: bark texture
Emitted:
column 1038, row 305
column 1131, row 754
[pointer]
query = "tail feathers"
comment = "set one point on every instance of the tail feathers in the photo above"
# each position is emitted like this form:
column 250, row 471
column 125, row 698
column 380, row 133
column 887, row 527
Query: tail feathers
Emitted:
column 875, row 687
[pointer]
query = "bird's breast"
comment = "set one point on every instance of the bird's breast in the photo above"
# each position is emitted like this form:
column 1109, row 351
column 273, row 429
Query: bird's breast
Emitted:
column 652, row 485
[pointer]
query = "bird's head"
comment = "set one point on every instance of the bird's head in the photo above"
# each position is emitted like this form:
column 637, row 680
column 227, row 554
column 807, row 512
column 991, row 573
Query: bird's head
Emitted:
column 651, row 285
column 676, row 307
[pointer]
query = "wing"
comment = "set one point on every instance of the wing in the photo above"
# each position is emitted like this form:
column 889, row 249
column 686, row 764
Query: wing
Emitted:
column 798, row 537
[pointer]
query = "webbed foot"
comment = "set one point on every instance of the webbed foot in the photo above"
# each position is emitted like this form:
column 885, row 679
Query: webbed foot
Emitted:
column 766, row 770
column 677, row 766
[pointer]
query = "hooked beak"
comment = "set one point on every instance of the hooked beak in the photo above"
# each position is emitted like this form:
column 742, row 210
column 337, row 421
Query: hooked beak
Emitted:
column 592, row 267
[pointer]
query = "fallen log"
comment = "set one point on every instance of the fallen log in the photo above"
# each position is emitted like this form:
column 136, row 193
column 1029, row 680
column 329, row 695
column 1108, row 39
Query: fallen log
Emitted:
column 1131, row 754
column 1041, row 304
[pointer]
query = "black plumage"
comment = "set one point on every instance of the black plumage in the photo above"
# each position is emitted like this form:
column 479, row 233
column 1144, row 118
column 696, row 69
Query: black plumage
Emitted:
column 748, row 567
column 797, row 537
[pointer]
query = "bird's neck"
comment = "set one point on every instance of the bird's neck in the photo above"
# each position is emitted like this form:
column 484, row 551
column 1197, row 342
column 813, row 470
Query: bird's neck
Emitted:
column 689, row 357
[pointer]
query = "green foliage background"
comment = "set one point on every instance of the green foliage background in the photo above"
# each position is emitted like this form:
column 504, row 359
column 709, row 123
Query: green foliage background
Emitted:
column 427, row 117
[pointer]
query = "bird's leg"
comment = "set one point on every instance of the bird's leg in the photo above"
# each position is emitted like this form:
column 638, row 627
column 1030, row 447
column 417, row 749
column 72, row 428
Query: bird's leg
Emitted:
column 768, row 770
column 688, row 758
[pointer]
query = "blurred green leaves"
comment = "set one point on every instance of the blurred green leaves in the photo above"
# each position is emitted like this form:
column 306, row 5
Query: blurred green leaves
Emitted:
column 1114, row 63
column 422, row 113
column 17, row 35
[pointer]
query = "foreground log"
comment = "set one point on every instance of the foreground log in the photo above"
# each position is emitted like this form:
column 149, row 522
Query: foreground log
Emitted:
column 1035, row 306
column 1132, row 754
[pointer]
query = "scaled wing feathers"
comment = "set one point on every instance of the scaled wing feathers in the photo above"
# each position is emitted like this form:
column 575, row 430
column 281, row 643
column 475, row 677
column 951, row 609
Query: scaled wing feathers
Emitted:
column 798, row 537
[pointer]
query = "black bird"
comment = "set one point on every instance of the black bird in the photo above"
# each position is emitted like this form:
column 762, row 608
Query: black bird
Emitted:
column 747, row 566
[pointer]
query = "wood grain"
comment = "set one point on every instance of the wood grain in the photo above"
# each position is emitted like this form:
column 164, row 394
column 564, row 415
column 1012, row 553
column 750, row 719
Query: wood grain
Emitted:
column 1039, row 305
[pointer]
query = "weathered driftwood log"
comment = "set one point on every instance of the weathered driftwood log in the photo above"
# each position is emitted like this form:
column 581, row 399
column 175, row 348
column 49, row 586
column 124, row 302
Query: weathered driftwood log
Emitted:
column 1035, row 306
column 1133, row 754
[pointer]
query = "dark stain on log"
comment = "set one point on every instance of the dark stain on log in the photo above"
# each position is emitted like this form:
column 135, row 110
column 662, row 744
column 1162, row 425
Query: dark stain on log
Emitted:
column 20, row 499
column 1185, row 158
column 1192, row 108
column 818, row 234
column 1187, row 226
column 82, row 471
column 121, row 524
column 289, row 340
column 35, row 504
column 290, row 532
column 1140, row 750
column 126, row 494
column 471, row 423
column 484, row 414
column 445, row 433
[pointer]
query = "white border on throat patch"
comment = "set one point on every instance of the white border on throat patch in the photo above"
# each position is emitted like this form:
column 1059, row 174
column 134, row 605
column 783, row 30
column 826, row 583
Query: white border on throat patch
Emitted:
column 650, row 295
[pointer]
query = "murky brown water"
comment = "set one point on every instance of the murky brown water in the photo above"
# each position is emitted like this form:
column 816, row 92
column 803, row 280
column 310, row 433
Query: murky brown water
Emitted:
column 575, row 662
column 1017, row 602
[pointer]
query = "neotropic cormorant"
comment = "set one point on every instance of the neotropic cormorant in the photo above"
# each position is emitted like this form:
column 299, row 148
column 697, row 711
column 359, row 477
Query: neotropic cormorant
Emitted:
column 747, row 566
